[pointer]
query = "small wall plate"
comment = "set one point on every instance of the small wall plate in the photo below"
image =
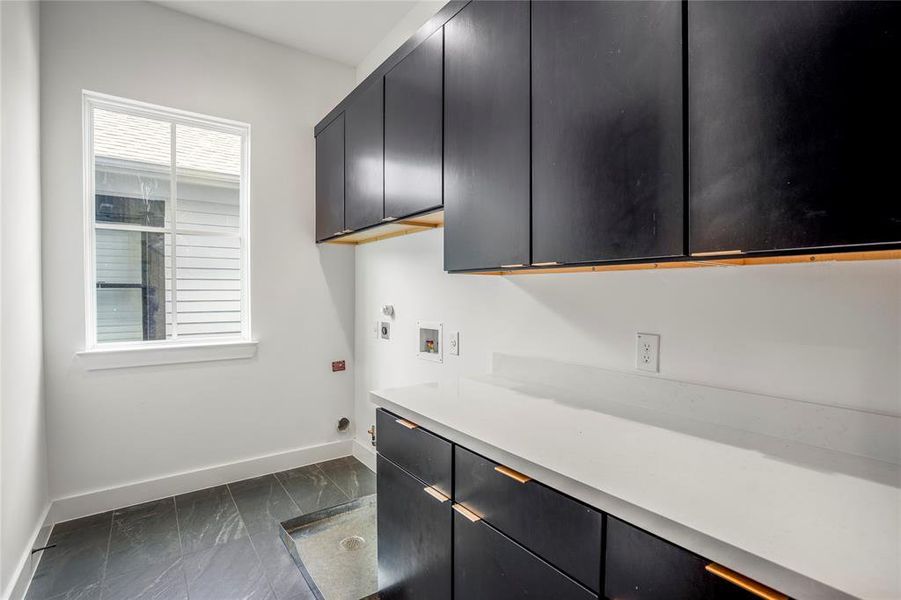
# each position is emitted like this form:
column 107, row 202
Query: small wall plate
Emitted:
column 430, row 341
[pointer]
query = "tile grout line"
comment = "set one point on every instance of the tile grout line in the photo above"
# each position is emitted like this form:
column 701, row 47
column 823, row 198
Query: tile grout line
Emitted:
column 181, row 546
column 250, row 537
column 335, row 483
column 181, row 554
column 109, row 545
column 290, row 497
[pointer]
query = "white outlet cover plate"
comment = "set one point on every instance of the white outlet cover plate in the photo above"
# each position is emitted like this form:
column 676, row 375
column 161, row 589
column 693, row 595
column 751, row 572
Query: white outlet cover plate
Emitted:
column 453, row 343
column 647, row 352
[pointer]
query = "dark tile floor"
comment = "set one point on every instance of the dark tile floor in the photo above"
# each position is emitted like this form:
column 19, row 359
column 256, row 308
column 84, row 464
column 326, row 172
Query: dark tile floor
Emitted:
column 219, row 543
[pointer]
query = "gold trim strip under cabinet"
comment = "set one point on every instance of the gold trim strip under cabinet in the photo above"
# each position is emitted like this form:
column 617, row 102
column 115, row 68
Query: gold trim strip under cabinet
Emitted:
column 466, row 513
column 515, row 475
column 758, row 589
column 406, row 423
column 435, row 494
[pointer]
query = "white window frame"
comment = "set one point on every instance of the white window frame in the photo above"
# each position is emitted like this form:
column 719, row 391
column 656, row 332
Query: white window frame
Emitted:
column 136, row 353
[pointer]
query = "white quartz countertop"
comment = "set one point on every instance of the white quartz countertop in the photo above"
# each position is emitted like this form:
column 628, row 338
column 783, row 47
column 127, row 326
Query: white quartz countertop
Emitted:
column 809, row 521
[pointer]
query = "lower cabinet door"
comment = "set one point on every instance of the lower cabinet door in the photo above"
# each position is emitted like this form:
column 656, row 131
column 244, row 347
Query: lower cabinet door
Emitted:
column 414, row 537
column 489, row 565
column 643, row 567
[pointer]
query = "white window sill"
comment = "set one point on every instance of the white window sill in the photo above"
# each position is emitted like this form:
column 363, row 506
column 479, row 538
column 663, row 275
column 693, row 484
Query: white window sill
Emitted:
column 145, row 356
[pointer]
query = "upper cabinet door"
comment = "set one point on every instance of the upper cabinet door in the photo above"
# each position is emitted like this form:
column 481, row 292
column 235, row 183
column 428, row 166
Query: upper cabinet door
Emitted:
column 794, row 123
column 330, row 180
column 486, row 136
column 413, row 130
column 365, row 202
column 607, row 164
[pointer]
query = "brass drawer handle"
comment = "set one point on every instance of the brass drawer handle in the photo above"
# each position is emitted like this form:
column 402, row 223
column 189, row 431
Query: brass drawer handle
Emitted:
column 718, row 253
column 406, row 423
column 758, row 589
column 435, row 494
column 515, row 475
column 466, row 513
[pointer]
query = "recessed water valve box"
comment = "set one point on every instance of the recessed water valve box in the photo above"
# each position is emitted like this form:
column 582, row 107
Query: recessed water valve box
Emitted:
column 431, row 341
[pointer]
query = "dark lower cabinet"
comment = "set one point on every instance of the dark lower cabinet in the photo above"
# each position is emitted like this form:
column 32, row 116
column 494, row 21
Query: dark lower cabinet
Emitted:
column 567, row 534
column 414, row 538
column 414, row 98
column 508, row 537
column 640, row 566
column 419, row 452
column 330, row 180
column 489, row 565
column 365, row 192
column 794, row 122
column 607, row 159
column 486, row 136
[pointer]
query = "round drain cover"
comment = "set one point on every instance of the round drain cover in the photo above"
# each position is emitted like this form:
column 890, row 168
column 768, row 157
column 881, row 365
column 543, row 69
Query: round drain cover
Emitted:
column 351, row 543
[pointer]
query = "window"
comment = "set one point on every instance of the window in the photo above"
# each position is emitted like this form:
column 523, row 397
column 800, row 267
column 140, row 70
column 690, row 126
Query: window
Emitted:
column 166, row 226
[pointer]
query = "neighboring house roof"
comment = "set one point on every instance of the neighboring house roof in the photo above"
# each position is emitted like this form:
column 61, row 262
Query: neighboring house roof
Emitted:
column 140, row 139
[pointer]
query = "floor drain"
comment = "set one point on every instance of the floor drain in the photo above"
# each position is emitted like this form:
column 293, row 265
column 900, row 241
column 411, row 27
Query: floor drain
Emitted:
column 352, row 543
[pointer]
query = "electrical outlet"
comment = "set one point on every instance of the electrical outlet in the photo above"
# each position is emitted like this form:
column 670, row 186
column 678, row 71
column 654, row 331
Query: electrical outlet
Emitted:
column 647, row 356
column 453, row 343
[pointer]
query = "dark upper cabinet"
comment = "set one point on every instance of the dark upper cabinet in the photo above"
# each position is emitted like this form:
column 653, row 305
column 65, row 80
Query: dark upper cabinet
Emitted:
column 414, row 538
column 486, row 136
column 793, row 124
column 330, row 180
column 607, row 165
column 365, row 192
column 413, row 130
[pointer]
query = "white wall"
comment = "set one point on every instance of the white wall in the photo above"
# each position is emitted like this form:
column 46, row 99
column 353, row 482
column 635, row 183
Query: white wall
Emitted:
column 111, row 428
column 421, row 12
column 828, row 332
column 23, row 485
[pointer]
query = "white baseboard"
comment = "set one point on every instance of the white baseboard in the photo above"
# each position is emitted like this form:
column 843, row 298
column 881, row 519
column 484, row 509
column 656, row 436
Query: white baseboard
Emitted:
column 28, row 562
column 91, row 503
column 365, row 453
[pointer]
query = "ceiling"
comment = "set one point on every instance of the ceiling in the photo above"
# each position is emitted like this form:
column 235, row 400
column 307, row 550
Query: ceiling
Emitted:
column 342, row 30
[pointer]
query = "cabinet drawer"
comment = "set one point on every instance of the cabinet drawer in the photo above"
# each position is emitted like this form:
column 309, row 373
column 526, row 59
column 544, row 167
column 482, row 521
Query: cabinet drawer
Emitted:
column 420, row 453
column 487, row 564
column 414, row 538
column 640, row 566
column 557, row 528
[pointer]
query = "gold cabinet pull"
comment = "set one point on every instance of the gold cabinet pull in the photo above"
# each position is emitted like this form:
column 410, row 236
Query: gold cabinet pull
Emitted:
column 515, row 475
column 466, row 513
column 758, row 589
column 435, row 494
column 717, row 253
column 406, row 423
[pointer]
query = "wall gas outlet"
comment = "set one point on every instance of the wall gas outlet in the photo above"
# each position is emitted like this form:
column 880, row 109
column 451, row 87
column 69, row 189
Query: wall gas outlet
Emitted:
column 385, row 330
column 453, row 343
column 648, row 352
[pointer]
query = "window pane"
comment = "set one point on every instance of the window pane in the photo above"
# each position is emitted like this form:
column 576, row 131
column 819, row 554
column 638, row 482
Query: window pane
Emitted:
column 132, row 168
column 209, row 167
column 131, row 285
column 208, row 298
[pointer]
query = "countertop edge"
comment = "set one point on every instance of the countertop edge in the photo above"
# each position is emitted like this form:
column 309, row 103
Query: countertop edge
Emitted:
column 781, row 578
